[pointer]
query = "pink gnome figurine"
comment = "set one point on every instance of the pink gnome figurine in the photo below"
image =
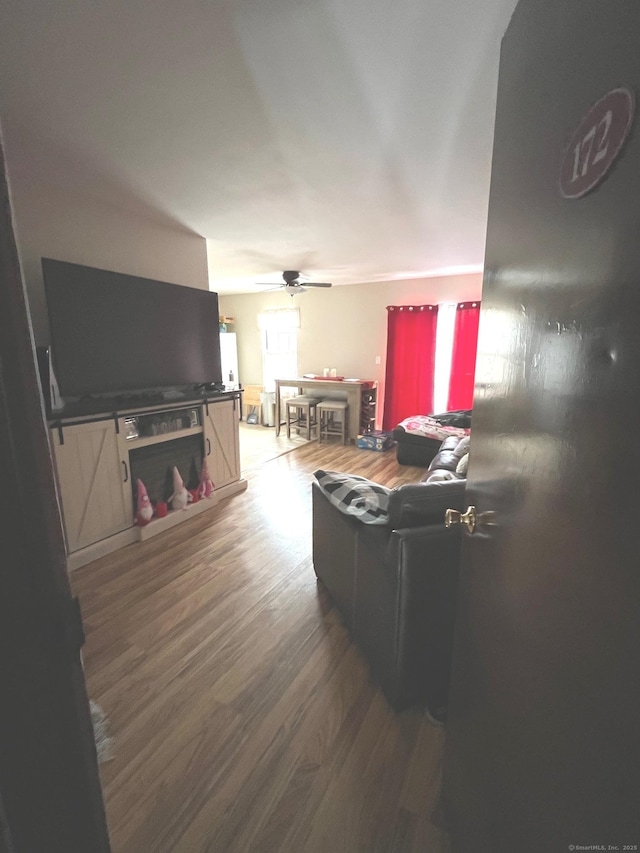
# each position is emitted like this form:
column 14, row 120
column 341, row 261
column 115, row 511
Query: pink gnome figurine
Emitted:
column 144, row 509
column 206, row 487
column 180, row 497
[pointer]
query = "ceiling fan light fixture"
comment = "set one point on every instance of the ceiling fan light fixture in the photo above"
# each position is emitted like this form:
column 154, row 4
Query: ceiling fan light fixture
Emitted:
column 292, row 289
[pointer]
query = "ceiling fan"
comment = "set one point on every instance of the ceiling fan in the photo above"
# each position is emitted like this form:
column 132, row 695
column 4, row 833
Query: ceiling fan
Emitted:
column 294, row 283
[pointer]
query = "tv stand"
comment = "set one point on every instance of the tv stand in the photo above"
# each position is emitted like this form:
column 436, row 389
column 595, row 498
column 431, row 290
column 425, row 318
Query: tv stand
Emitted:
column 96, row 459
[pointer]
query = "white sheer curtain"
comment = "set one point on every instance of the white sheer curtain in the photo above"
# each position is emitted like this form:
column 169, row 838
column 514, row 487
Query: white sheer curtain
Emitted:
column 279, row 335
column 444, row 350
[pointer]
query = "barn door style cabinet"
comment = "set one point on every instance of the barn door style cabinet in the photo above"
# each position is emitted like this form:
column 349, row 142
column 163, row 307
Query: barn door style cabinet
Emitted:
column 98, row 460
column 222, row 443
column 93, row 478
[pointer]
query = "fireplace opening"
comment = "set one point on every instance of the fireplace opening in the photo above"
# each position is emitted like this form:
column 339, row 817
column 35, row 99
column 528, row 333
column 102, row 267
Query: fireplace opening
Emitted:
column 154, row 465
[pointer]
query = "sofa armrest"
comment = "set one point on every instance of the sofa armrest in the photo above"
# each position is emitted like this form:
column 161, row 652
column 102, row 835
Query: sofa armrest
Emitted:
column 419, row 504
column 428, row 561
column 334, row 551
column 404, row 611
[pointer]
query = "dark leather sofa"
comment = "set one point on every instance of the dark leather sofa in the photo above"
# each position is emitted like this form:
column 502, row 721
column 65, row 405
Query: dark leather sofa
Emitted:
column 416, row 449
column 395, row 585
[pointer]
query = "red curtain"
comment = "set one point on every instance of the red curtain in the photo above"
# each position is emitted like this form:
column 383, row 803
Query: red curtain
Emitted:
column 411, row 351
column 463, row 359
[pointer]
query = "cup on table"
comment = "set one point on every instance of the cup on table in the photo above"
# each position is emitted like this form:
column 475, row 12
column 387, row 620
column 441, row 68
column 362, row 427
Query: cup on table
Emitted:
column 334, row 371
column 326, row 371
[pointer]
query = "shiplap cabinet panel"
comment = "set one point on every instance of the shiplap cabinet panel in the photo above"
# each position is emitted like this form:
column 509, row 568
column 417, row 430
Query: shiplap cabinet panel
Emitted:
column 222, row 444
column 93, row 474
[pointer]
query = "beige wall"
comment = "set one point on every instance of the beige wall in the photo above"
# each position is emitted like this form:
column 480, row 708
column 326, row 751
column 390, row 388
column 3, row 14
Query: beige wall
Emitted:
column 345, row 327
column 53, row 222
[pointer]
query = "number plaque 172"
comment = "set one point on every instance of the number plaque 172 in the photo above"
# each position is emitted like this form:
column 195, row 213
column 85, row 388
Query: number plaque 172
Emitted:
column 596, row 143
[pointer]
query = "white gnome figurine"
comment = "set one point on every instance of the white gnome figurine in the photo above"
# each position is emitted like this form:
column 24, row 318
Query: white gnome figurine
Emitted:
column 206, row 487
column 144, row 509
column 180, row 497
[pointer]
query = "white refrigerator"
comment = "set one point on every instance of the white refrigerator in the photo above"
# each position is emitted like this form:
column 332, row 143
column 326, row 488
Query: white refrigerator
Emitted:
column 229, row 358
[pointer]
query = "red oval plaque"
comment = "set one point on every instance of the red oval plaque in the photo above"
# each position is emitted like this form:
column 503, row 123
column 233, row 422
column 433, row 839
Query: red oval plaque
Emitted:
column 596, row 143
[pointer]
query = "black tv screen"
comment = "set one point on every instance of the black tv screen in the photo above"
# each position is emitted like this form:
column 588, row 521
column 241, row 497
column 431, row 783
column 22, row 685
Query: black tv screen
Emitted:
column 113, row 333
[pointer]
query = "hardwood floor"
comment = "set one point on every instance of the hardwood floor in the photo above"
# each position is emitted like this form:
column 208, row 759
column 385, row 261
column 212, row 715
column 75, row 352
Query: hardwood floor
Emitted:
column 244, row 719
column 260, row 444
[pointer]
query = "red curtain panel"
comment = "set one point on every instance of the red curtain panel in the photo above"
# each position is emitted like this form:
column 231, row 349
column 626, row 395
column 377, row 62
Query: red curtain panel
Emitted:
column 463, row 359
column 411, row 351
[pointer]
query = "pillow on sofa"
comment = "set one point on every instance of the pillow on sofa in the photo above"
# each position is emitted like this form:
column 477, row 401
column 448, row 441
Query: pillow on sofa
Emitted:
column 365, row 500
column 438, row 476
column 461, row 467
column 462, row 447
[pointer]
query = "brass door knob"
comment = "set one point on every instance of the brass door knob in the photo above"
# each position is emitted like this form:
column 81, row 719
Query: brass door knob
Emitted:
column 471, row 518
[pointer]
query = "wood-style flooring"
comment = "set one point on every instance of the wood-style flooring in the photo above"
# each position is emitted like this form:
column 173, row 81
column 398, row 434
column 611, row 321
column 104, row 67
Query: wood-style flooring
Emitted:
column 244, row 719
column 260, row 444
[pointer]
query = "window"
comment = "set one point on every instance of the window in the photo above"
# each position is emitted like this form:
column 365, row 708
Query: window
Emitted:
column 431, row 355
column 444, row 348
column 279, row 336
column 411, row 349
column 463, row 357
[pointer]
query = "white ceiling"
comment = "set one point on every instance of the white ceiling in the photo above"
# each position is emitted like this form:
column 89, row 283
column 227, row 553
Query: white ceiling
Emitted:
column 350, row 139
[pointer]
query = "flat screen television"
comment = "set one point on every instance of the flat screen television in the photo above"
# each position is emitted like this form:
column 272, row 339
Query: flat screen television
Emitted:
column 117, row 334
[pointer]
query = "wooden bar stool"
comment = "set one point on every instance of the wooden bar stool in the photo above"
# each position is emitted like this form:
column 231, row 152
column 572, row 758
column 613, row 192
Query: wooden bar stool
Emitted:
column 301, row 414
column 332, row 419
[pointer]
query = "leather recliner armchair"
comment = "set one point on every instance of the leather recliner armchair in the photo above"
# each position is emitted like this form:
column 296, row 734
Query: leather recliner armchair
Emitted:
column 395, row 586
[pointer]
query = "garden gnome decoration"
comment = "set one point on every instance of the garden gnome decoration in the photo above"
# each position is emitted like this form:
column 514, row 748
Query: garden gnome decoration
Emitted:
column 144, row 509
column 206, row 486
column 180, row 497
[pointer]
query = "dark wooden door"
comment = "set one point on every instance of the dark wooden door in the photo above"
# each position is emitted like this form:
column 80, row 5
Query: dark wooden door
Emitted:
column 543, row 739
column 50, row 796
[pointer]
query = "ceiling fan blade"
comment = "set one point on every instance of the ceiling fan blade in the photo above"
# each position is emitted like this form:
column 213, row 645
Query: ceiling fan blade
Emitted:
column 317, row 284
column 268, row 283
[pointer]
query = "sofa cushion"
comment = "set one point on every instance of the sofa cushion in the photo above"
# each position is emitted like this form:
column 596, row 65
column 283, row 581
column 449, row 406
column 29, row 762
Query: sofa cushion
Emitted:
column 444, row 459
column 450, row 443
column 356, row 496
column 449, row 455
